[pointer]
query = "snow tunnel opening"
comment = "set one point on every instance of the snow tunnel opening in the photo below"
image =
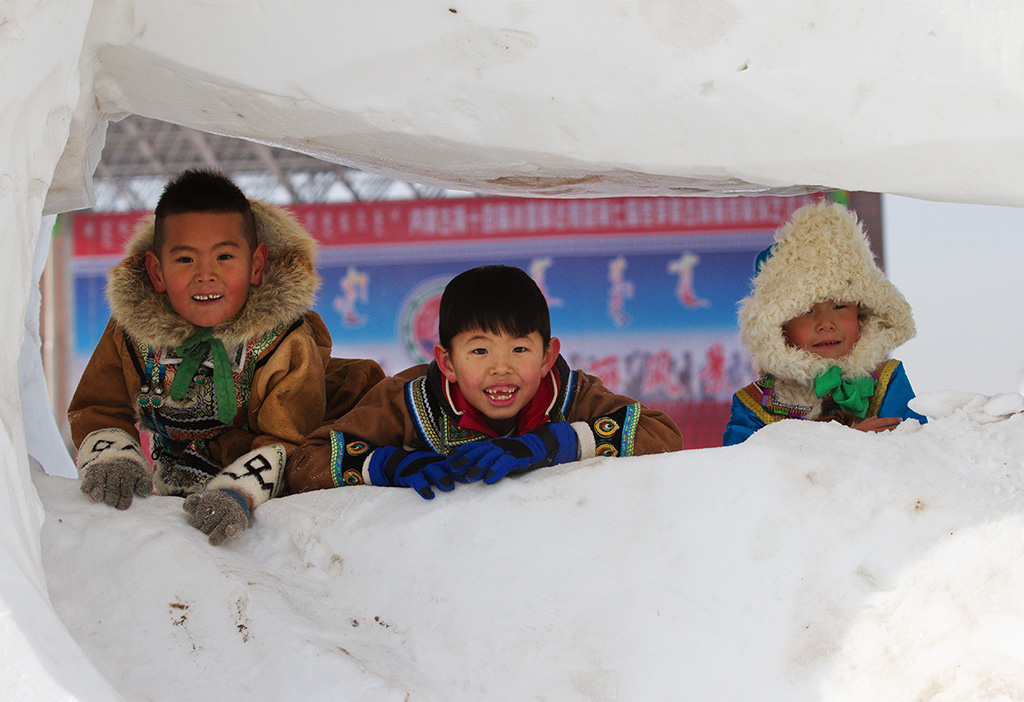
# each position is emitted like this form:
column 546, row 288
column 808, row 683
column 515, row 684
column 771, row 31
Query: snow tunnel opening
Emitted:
column 139, row 156
column 294, row 178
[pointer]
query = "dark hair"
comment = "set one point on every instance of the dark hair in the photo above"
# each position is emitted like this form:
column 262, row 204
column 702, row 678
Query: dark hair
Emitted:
column 495, row 299
column 202, row 190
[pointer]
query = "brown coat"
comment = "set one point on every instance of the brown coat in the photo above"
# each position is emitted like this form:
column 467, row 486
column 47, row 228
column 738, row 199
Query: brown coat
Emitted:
column 286, row 397
column 383, row 418
column 284, row 376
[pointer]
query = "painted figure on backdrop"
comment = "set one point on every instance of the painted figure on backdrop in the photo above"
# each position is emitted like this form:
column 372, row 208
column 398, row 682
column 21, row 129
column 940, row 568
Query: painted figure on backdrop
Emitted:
column 355, row 288
column 619, row 290
column 538, row 271
column 685, row 293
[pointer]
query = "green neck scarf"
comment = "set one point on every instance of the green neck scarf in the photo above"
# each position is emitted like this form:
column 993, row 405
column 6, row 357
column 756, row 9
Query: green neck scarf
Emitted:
column 192, row 353
column 852, row 395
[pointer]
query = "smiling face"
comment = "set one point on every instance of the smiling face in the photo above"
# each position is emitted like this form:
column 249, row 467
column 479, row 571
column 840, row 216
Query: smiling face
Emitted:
column 829, row 329
column 205, row 266
column 497, row 373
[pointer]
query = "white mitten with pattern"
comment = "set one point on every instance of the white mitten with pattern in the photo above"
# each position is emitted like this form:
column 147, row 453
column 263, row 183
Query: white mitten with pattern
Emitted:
column 222, row 510
column 112, row 468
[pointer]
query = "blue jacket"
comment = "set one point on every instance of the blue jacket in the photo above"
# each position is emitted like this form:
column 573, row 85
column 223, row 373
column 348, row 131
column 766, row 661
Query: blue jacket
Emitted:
column 754, row 406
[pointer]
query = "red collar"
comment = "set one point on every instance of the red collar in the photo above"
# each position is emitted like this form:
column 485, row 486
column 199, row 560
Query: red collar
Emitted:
column 535, row 414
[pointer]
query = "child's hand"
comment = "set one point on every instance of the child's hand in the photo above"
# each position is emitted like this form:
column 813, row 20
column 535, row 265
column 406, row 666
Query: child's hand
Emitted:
column 115, row 481
column 493, row 459
column 222, row 510
column 420, row 470
column 877, row 424
column 112, row 468
column 220, row 514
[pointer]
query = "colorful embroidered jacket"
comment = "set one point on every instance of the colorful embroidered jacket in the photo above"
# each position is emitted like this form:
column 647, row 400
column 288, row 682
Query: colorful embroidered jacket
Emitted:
column 413, row 409
column 279, row 353
column 756, row 405
column 279, row 388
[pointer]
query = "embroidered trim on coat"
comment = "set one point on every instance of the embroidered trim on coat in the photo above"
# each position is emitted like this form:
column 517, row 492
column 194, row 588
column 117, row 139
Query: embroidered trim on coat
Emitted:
column 759, row 396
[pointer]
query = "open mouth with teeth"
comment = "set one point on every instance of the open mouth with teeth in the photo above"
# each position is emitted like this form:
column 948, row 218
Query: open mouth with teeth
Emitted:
column 501, row 395
column 207, row 298
column 822, row 344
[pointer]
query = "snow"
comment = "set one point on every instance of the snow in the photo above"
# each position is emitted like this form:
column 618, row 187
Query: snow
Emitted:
column 580, row 97
column 812, row 562
column 981, row 408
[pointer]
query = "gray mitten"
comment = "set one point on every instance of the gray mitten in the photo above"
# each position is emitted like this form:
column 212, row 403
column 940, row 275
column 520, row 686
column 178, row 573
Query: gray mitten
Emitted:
column 223, row 510
column 112, row 468
column 221, row 514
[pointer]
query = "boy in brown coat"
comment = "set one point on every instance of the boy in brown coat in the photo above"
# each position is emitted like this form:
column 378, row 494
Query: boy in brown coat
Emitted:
column 213, row 350
column 497, row 399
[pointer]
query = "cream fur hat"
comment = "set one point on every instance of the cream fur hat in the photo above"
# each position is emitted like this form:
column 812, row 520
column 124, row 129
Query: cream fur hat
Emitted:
column 821, row 254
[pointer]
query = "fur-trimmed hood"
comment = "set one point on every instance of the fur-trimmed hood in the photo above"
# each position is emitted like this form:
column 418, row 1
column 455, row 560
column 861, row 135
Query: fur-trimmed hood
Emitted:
column 286, row 293
column 821, row 254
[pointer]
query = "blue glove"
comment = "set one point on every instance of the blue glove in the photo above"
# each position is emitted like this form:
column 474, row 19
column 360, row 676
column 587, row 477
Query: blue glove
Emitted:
column 493, row 459
column 396, row 467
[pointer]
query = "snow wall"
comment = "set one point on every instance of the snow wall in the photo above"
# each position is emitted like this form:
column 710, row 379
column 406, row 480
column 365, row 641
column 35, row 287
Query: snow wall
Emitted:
column 568, row 99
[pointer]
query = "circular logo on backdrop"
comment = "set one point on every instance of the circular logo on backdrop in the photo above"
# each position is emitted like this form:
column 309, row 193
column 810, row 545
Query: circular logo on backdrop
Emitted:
column 417, row 320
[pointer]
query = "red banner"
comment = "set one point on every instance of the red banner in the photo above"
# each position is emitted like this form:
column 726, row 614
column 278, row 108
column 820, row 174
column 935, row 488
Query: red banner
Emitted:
column 485, row 219
column 102, row 234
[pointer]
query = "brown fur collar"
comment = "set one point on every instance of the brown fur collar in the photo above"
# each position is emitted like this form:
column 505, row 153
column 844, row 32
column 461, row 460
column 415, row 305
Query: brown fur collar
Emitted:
column 287, row 292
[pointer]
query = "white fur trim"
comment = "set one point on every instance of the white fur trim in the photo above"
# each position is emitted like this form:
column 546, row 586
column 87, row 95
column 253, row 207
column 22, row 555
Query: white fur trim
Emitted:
column 365, row 470
column 587, row 443
column 821, row 254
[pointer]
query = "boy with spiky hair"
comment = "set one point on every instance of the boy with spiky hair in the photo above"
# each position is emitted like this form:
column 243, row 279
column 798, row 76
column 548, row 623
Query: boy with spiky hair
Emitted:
column 820, row 323
column 212, row 349
column 498, row 398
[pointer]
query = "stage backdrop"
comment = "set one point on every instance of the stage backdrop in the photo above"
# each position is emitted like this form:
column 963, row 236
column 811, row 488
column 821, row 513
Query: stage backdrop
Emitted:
column 642, row 291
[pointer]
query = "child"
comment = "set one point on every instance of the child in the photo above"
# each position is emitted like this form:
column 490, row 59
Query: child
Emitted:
column 497, row 398
column 212, row 349
column 819, row 324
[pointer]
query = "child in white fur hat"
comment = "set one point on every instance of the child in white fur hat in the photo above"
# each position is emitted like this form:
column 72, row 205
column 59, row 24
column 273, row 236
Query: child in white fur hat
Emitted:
column 819, row 323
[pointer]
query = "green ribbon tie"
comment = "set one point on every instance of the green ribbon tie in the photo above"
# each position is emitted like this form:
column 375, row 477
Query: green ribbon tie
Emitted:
column 192, row 353
column 852, row 395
